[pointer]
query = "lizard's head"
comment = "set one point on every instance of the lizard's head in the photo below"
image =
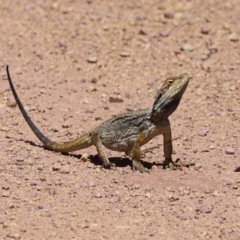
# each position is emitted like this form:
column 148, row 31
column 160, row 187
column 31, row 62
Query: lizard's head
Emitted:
column 169, row 96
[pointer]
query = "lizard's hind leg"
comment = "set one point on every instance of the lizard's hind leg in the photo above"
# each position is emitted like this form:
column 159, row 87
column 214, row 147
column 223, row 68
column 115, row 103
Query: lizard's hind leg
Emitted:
column 96, row 139
column 136, row 153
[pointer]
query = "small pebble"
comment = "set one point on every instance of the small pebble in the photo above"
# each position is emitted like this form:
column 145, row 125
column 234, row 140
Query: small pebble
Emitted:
column 122, row 210
column 43, row 179
column 94, row 80
column 197, row 166
column 5, row 194
column 52, row 192
column 4, row 129
column 233, row 37
column 65, row 169
column 86, row 101
column 187, row 47
column 204, row 31
column 98, row 195
column 230, row 150
column 56, row 168
column 142, row 32
column 84, row 157
column 168, row 15
column 164, row 33
column 11, row 104
column 204, row 132
column 237, row 168
column 115, row 99
column 215, row 193
column 92, row 59
column 124, row 54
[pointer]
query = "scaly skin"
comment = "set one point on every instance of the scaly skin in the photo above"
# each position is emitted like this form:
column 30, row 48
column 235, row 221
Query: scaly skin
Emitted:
column 125, row 132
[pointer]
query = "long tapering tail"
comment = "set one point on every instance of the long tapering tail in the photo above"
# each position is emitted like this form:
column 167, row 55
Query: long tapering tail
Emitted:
column 79, row 143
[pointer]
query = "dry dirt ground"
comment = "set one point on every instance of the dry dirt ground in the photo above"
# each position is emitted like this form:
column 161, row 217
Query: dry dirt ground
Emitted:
column 67, row 60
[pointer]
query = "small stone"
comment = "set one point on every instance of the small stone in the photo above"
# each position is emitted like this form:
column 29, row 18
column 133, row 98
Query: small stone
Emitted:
column 4, row 129
column 168, row 15
column 215, row 193
column 74, row 214
column 92, row 184
column 204, row 31
column 148, row 195
column 84, row 157
column 11, row 104
column 154, row 168
column 65, row 169
column 164, row 33
column 98, row 195
column 124, row 54
column 19, row 160
column 122, row 210
column 34, row 183
column 92, row 59
column 230, row 150
column 86, row 101
column 98, row 119
column 115, row 99
column 65, row 125
column 173, row 197
column 5, row 194
column 204, row 132
column 208, row 210
column 227, row 183
column 62, row 44
column 18, row 71
column 142, row 32
column 233, row 37
column 56, row 168
column 94, row 80
column 197, row 166
column 211, row 147
column 237, row 168
column 5, row 224
column 52, row 192
column 91, row 88
column 84, row 185
column 187, row 47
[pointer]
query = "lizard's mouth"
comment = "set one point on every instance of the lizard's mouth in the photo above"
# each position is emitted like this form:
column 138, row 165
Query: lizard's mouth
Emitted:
column 180, row 89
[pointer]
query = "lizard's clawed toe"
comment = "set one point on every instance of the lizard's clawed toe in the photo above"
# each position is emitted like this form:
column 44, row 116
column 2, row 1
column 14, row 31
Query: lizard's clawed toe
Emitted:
column 137, row 166
column 108, row 165
column 168, row 163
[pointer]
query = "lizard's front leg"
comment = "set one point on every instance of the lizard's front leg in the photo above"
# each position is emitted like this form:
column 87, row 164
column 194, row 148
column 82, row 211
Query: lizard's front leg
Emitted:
column 96, row 140
column 167, row 144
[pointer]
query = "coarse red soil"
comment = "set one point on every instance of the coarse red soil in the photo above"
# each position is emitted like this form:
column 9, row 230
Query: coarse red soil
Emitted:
column 69, row 60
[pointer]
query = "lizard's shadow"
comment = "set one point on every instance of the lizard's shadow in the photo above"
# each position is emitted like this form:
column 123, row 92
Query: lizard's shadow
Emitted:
column 118, row 161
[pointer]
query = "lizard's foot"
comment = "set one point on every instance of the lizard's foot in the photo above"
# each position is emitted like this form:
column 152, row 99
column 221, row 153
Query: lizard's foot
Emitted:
column 108, row 165
column 168, row 162
column 137, row 166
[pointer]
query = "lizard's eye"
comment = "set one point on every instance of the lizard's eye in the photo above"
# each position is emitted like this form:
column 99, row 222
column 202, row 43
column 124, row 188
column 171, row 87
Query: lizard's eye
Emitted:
column 170, row 81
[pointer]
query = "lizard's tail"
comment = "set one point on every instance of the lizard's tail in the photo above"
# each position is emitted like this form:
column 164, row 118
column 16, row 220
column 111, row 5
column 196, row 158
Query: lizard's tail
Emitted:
column 79, row 143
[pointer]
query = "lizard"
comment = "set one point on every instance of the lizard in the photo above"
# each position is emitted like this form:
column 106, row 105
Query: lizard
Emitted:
column 125, row 132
